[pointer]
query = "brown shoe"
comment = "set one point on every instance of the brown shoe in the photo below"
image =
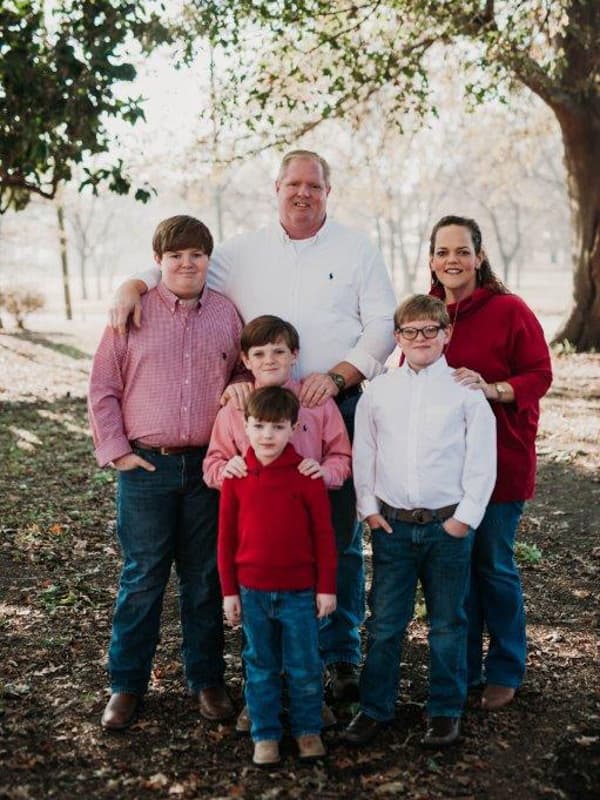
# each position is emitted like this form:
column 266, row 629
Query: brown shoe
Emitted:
column 215, row 704
column 120, row 711
column 266, row 753
column 328, row 718
column 441, row 732
column 310, row 746
column 242, row 723
column 495, row 697
column 362, row 729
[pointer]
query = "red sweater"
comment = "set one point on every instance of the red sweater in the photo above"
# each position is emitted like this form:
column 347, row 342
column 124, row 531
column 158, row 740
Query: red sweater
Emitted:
column 275, row 531
column 499, row 336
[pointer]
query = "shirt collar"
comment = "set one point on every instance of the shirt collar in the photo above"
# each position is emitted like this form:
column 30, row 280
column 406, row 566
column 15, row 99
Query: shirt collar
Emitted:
column 285, row 237
column 436, row 368
column 173, row 302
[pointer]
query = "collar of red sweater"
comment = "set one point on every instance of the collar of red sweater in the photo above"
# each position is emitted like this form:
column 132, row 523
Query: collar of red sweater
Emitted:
column 469, row 305
column 288, row 458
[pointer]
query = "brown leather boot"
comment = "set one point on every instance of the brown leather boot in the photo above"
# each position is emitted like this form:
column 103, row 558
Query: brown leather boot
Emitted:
column 215, row 704
column 120, row 711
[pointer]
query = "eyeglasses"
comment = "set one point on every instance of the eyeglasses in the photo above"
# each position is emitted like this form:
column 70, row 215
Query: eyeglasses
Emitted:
column 429, row 332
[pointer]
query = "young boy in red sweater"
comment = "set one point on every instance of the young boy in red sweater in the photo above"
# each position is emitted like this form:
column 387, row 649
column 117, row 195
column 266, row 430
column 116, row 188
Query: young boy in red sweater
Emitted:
column 277, row 564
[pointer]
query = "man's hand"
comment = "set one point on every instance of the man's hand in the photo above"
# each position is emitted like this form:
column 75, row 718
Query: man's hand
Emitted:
column 235, row 468
column 316, row 389
column 232, row 607
column 308, row 466
column 326, row 605
column 455, row 528
column 238, row 393
column 127, row 302
column 132, row 461
column 378, row 521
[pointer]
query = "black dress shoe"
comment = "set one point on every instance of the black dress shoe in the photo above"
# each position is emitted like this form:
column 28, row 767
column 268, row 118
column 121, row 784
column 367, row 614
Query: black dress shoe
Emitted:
column 362, row 729
column 441, row 731
column 215, row 704
column 120, row 711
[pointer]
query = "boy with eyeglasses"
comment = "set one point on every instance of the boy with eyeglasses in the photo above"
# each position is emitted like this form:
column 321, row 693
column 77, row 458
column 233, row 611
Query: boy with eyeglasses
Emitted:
column 424, row 464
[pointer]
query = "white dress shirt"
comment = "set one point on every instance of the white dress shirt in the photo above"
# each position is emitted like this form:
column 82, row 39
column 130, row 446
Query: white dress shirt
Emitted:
column 422, row 440
column 334, row 288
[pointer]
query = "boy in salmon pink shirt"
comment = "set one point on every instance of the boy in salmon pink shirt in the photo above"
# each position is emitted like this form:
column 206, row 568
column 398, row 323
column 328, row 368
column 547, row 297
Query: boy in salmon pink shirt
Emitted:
column 277, row 565
column 270, row 348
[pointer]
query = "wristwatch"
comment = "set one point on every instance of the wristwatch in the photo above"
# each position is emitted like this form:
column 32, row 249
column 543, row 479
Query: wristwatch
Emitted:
column 500, row 389
column 339, row 380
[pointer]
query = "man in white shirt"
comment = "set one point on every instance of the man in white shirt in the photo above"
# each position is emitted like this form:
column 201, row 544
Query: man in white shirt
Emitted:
column 331, row 283
column 424, row 465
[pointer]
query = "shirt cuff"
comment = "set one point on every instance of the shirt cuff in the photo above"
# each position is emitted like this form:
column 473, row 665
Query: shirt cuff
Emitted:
column 366, row 506
column 113, row 449
column 469, row 512
column 364, row 362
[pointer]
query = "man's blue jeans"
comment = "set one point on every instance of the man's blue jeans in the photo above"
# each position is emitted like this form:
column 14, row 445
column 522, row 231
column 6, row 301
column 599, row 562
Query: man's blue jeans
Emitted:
column 339, row 634
column 495, row 600
column 441, row 562
column 281, row 636
column 163, row 517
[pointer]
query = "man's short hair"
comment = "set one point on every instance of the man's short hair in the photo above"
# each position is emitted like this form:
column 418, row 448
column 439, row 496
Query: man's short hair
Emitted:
column 272, row 404
column 305, row 154
column 179, row 233
column 421, row 306
column 268, row 329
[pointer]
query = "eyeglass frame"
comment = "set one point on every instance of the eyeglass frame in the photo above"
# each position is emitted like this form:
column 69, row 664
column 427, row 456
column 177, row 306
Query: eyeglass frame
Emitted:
column 402, row 332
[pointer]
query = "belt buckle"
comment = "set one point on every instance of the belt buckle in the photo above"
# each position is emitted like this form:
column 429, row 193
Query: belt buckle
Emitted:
column 418, row 515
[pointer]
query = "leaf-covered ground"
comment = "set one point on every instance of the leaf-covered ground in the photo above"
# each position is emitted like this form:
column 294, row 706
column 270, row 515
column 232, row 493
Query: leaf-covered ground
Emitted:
column 59, row 564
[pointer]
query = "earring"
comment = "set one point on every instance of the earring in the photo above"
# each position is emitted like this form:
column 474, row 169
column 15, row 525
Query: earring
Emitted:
column 478, row 278
column 434, row 279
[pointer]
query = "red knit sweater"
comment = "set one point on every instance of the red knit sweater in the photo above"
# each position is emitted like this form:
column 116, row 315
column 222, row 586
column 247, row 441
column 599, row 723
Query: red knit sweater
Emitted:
column 275, row 530
column 499, row 336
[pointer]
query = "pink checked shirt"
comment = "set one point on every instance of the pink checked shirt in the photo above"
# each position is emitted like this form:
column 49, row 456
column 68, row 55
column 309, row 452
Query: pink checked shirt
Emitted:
column 161, row 383
column 321, row 434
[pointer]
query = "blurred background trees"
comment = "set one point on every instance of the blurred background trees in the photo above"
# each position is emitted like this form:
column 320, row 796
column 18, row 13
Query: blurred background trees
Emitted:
column 483, row 108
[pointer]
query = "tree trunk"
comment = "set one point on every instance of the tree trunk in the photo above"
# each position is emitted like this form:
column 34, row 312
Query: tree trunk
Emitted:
column 63, row 258
column 580, row 126
column 83, row 278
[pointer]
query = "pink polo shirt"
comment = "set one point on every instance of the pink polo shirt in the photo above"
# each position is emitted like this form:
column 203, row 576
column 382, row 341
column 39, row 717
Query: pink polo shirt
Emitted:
column 161, row 383
column 321, row 434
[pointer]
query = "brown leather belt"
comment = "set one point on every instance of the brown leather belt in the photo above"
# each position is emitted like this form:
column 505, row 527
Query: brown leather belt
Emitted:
column 419, row 516
column 169, row 451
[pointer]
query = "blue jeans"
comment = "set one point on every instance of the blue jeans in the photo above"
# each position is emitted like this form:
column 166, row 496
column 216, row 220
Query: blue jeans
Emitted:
column 281, row 636
column 339, row 634
column 441, row 562
column 495, row 600
column 163, row 517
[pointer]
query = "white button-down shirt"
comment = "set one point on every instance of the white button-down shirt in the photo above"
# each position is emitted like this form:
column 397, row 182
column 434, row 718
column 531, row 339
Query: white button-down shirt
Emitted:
column 334, row 288
column 422, row 440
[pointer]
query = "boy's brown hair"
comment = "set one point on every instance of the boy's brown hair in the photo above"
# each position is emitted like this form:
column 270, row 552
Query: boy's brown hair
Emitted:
column 421, row 306
column 179, row 233
column 268, row 329
column 272, row 404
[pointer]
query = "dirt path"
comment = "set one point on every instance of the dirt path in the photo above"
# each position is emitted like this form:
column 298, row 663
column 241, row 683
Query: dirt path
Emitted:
column 58, row 572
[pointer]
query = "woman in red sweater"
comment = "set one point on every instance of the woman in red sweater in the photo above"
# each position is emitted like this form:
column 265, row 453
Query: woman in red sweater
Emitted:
column 497, row 345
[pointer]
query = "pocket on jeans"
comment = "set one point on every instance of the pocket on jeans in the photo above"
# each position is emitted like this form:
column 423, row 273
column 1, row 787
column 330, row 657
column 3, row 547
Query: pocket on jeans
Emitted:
column 452, row 536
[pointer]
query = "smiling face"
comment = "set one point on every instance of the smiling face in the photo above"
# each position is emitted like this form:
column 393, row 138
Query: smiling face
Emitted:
column 421, row 352
column 268, row 439
column 183, row 271
column 271, row 363
column 455, row 262
column 302, row 197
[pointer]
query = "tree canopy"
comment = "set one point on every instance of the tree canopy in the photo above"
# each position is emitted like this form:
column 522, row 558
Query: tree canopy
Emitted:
column 297, row 62
column 60, row 64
